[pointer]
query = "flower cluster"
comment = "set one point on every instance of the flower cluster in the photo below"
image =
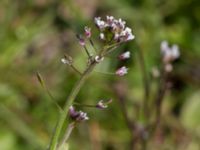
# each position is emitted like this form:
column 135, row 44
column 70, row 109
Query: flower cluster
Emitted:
column 113, row 30
column 169, row 54
column 77, row 115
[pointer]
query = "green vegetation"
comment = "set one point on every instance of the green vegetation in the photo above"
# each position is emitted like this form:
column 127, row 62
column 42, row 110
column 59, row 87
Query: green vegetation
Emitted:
column 34, row 36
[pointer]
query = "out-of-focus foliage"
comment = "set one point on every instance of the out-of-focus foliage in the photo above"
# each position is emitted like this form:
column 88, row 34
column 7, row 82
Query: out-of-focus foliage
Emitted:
column 34, row 35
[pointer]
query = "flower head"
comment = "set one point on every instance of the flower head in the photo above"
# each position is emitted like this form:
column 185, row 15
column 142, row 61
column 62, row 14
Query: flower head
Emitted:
column 77, row 115
column 121, row 71
column 125, row 55
column 169, row 53
column 113, row 30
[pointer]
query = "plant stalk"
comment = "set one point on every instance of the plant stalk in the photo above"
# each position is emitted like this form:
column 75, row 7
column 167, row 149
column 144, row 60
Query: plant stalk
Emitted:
column 69, row 101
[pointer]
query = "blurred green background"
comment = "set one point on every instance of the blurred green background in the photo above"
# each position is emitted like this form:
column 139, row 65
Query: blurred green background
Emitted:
column 34, row 35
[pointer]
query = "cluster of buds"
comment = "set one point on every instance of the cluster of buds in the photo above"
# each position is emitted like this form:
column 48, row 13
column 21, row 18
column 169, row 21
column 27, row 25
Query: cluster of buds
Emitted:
column 169, row 54
column 123, row 70
column 113, row 30
column 77, row 115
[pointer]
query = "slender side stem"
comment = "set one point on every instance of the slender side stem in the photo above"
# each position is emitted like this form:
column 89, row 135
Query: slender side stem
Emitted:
column 145, row 82
column 69, row 101
column 159, row 100
column 87, row 52
column 91, row 43
column 67, row 134
column 75, row 69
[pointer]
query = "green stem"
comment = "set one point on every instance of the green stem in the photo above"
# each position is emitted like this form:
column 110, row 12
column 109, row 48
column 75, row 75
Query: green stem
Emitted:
column 70, row 99
column 67, row 134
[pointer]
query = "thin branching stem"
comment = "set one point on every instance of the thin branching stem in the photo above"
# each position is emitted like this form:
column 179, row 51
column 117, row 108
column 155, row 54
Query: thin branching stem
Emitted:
column 92, row 44
column 69, row 102
column 87, row 52
column 145, row 82
column 75, row 69
column 67, row 134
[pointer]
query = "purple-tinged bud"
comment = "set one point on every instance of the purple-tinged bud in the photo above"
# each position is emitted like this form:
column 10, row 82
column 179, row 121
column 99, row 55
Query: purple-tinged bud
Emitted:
column 125, row 55
column 121, row 71
column 87, row 32
column 81, row 40
column 77, row 115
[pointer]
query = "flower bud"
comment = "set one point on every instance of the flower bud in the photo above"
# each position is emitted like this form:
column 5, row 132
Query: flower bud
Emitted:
column 81, row 40
column 87, row 32
column 67, row 60
column 77, row 115
column 121, row 71
column 169, row 53
column 102, row 105
column 124, row 55
column 99, row 59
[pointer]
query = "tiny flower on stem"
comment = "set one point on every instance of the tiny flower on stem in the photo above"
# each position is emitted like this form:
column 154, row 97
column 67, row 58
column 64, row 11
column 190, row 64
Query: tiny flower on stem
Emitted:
column 102, row 105
column 67, row 60
column 169, row 53
column 77, row 115
column 88, row 32
column 81, row 40
column 99, row 59
column 121, row 71
column 125, row 55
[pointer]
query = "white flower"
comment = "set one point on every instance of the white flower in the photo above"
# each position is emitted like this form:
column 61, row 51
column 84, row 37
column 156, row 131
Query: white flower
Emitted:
column 102, row 36
column 125, row 55
column 127, row 34
column 100, row 23
column 169, row 53
column 121, row 71
column 109, row 19
column 98, row 59
column 101, row 105
column 64, row 61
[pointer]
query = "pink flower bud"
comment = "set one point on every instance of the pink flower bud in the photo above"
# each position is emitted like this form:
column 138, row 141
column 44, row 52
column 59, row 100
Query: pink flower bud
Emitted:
column 87, row 32
column 121, row 71
column 81, row 40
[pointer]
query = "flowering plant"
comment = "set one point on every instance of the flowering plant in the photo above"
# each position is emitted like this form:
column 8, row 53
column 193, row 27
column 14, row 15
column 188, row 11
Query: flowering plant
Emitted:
column 113, row 32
